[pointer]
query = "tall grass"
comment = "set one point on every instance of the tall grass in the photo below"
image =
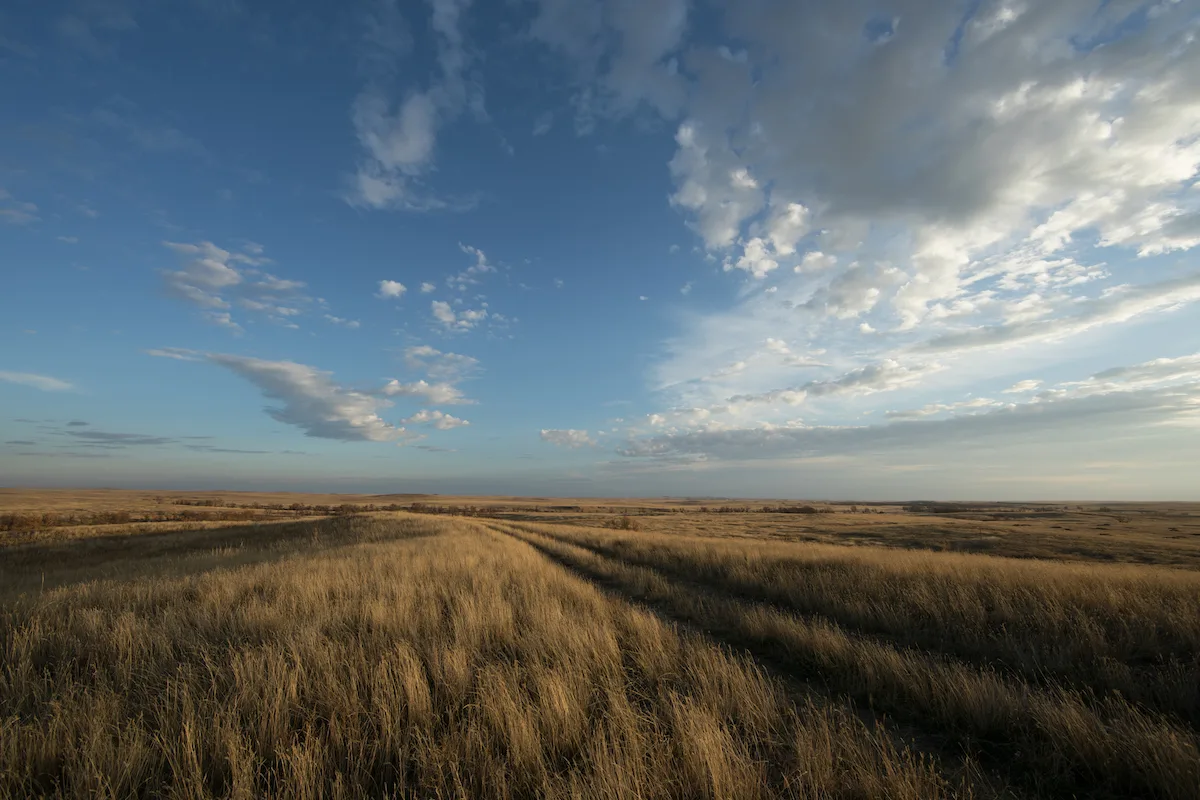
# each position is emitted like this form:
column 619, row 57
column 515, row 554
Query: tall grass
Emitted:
column 405, row 658
column 1054, row 738
column 1131, row 630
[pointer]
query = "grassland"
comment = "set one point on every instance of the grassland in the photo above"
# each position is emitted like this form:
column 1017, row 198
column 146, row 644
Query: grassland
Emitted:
column 528, row 650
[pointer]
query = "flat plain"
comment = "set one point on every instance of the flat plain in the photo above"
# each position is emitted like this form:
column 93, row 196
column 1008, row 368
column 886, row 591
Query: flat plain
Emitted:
column 227, row 644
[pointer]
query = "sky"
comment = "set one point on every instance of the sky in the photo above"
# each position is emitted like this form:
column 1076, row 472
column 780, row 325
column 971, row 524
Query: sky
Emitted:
column 885, row 250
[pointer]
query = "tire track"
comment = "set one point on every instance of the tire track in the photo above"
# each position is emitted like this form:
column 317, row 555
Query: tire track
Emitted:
column 645, row 588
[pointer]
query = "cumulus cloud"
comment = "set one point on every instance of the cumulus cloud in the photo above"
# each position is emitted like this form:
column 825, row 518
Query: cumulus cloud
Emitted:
column 567, row 438
column 43, row 382
column 440, row 365
column 624, row 54
column 457, row 321
column 217, row 281
column 310, row 400
column 342, row 322
column 470, row 276
column 998, row 176
column 435, row 393
column 390, row 290
column 398, row 135
column 438, row 419
column 1020, row 387
column 427, row 287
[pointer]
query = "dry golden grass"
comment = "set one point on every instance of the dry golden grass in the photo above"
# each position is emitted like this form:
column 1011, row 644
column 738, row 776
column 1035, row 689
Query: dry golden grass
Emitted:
column 1065, row 732
column 418, row 658
column 691, row 655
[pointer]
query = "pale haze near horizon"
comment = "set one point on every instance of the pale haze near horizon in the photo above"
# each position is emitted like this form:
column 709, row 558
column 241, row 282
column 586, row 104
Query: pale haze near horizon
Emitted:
column 864, row 251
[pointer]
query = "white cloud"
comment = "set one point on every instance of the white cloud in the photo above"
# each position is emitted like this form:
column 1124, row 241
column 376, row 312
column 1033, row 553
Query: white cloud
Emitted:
column 440, row 393
column 391, row 290
column 1119, row 305
column 457, row 321
column 177, row 353
column 43, row 382
column 567, row 438
column 310, row 400
column 686, row 289
column 427, row 287
column 624, row 54
column 1069, row 419
column 438, row 419
column 1066, row 142
column 944, row 408
column 1020, row 387
column 440, row 365
column 399, row 136
column 543, row 123
column 470, row 276
column 215, row 280
column 345, row 323
column 884, row 376
column 16, row 212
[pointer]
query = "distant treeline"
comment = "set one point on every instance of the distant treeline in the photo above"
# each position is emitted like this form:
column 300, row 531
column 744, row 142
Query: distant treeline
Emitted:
column 34, row 520
column 222, row 510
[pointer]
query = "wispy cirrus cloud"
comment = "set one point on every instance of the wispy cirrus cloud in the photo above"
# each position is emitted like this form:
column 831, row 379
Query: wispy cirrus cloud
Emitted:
column 44, row 382
column 17, row 212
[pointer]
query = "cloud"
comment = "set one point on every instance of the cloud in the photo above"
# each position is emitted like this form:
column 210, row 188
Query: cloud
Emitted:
column 1021, row 387
column 427, row 287
column 438, row 419
column 1056, row 419
column 391, row 290
column 567, row 438
column 91, row 27
column 459, row 321
column 345, row 323
column 151, row 137
column 398, row 136
column 121, row 439
column 624, row 54
column 943, row 408
column 1119, row 305
column 440, row 365
column 541, row 125
column 43, row 382
column 310, row 400
column 177, row 353
column 1157, row 371
column 434, row 393
column 470, row 276
column 996, row 181
column 885, row 376
column 217, row 280
column 77, row 423
column 16, row 212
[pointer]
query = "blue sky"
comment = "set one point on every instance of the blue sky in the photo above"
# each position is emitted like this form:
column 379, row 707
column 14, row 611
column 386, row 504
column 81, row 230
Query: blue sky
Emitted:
column 602, row 247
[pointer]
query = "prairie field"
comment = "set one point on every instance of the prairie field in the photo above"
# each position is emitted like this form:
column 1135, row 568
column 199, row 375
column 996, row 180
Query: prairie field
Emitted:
column 426, row 647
